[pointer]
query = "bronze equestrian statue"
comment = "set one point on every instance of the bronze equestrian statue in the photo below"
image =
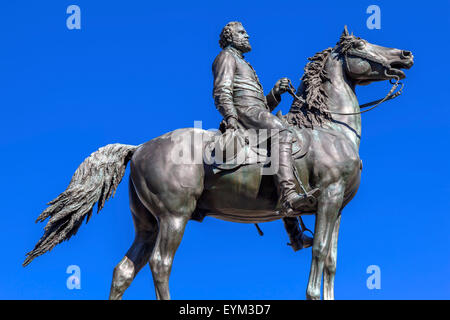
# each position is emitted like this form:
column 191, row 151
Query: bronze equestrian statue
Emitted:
column 325, row 119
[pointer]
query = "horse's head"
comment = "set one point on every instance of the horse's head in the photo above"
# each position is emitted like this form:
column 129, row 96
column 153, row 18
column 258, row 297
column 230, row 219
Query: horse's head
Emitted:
column 358, row 62
column 366, row 62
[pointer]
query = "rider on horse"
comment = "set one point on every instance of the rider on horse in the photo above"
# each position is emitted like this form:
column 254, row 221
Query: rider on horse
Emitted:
column 239, row 97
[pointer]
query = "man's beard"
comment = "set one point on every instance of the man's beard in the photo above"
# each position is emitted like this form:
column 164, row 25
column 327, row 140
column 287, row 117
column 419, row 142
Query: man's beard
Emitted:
column 243, row 45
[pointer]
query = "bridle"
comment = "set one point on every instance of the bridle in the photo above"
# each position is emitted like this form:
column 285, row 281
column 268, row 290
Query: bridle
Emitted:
column 389, row 96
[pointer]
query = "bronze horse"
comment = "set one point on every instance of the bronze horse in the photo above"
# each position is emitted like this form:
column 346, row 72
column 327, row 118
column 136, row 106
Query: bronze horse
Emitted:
column 165, row 195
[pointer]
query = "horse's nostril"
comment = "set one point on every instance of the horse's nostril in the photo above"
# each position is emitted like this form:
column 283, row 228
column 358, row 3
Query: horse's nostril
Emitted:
column 406, row 53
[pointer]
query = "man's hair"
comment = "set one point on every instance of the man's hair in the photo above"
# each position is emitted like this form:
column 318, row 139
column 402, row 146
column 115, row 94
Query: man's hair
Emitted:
column 226, row 36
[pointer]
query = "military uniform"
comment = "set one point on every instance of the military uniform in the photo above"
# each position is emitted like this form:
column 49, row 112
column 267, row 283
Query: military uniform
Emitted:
column 238, row 93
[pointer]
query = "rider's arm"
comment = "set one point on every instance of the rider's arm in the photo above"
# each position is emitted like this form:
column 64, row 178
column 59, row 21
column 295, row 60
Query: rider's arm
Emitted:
column 273, row 100
column 223, row 70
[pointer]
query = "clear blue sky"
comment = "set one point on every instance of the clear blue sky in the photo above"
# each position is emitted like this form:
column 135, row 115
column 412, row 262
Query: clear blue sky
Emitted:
column 138, row 69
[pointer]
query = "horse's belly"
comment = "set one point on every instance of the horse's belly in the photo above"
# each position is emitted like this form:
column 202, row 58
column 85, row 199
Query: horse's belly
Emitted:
column 243, row 195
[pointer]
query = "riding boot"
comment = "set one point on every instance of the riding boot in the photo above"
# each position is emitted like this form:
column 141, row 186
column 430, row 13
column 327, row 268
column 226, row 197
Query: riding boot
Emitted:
column 298, row 240
column 291, row 201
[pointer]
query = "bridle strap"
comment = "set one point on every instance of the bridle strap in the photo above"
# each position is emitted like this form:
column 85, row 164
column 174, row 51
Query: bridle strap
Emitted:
column 389, row 96
column 365, row 56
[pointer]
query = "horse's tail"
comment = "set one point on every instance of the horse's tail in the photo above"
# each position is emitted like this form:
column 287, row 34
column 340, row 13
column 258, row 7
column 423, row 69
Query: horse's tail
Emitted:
column 95, row 180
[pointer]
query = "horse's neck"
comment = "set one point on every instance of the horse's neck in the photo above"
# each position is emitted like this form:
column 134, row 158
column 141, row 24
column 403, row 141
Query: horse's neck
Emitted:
column 342, row 98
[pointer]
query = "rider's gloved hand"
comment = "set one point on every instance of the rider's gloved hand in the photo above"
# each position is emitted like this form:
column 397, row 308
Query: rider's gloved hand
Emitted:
column 232, row 123
column 281, row 86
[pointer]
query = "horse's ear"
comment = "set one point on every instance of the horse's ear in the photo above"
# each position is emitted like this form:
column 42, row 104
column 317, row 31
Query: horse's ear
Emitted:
column 345, row 32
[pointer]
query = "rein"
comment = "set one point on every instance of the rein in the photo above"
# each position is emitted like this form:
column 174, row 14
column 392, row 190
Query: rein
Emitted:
column 389, row 96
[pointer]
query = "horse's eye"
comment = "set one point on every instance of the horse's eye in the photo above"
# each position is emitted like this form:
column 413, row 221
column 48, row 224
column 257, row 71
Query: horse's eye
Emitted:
column 360, row 44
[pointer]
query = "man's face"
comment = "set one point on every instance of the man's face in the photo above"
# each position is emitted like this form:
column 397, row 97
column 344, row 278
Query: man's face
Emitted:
column 240, row 39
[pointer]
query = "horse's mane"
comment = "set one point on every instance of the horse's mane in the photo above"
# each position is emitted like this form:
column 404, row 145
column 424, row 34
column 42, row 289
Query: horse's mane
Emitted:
column 310, row 109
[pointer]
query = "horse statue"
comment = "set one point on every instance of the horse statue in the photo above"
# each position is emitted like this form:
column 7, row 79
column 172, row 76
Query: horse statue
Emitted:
column 166, row 194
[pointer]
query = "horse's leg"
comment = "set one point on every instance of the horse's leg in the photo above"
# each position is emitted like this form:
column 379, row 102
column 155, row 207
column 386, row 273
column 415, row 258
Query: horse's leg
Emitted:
column 137, row 256
column 127, row 269
column 169, row 187
column 330, row 264
column 171, row 230
column 329, row 204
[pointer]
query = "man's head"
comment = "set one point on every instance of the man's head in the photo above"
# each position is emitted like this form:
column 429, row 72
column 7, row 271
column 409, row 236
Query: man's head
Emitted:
column 235, row 35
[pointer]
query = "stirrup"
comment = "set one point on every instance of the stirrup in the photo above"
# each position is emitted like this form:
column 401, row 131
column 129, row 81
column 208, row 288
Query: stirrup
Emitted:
column 301, row 200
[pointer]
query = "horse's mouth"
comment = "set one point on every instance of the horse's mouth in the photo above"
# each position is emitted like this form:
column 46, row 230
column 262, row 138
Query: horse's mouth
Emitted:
column 394, row 69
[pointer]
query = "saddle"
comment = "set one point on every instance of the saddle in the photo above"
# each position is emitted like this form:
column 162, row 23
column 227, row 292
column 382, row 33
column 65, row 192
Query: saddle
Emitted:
column 231, row 149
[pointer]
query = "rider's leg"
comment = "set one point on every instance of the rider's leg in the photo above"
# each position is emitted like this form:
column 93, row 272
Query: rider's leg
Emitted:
column 298, row 239
column 291, row 200
column 284, row 177
column 257, row 117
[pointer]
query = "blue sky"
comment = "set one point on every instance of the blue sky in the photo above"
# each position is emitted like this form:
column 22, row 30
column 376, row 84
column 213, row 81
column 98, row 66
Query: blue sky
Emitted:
column 138, row 69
